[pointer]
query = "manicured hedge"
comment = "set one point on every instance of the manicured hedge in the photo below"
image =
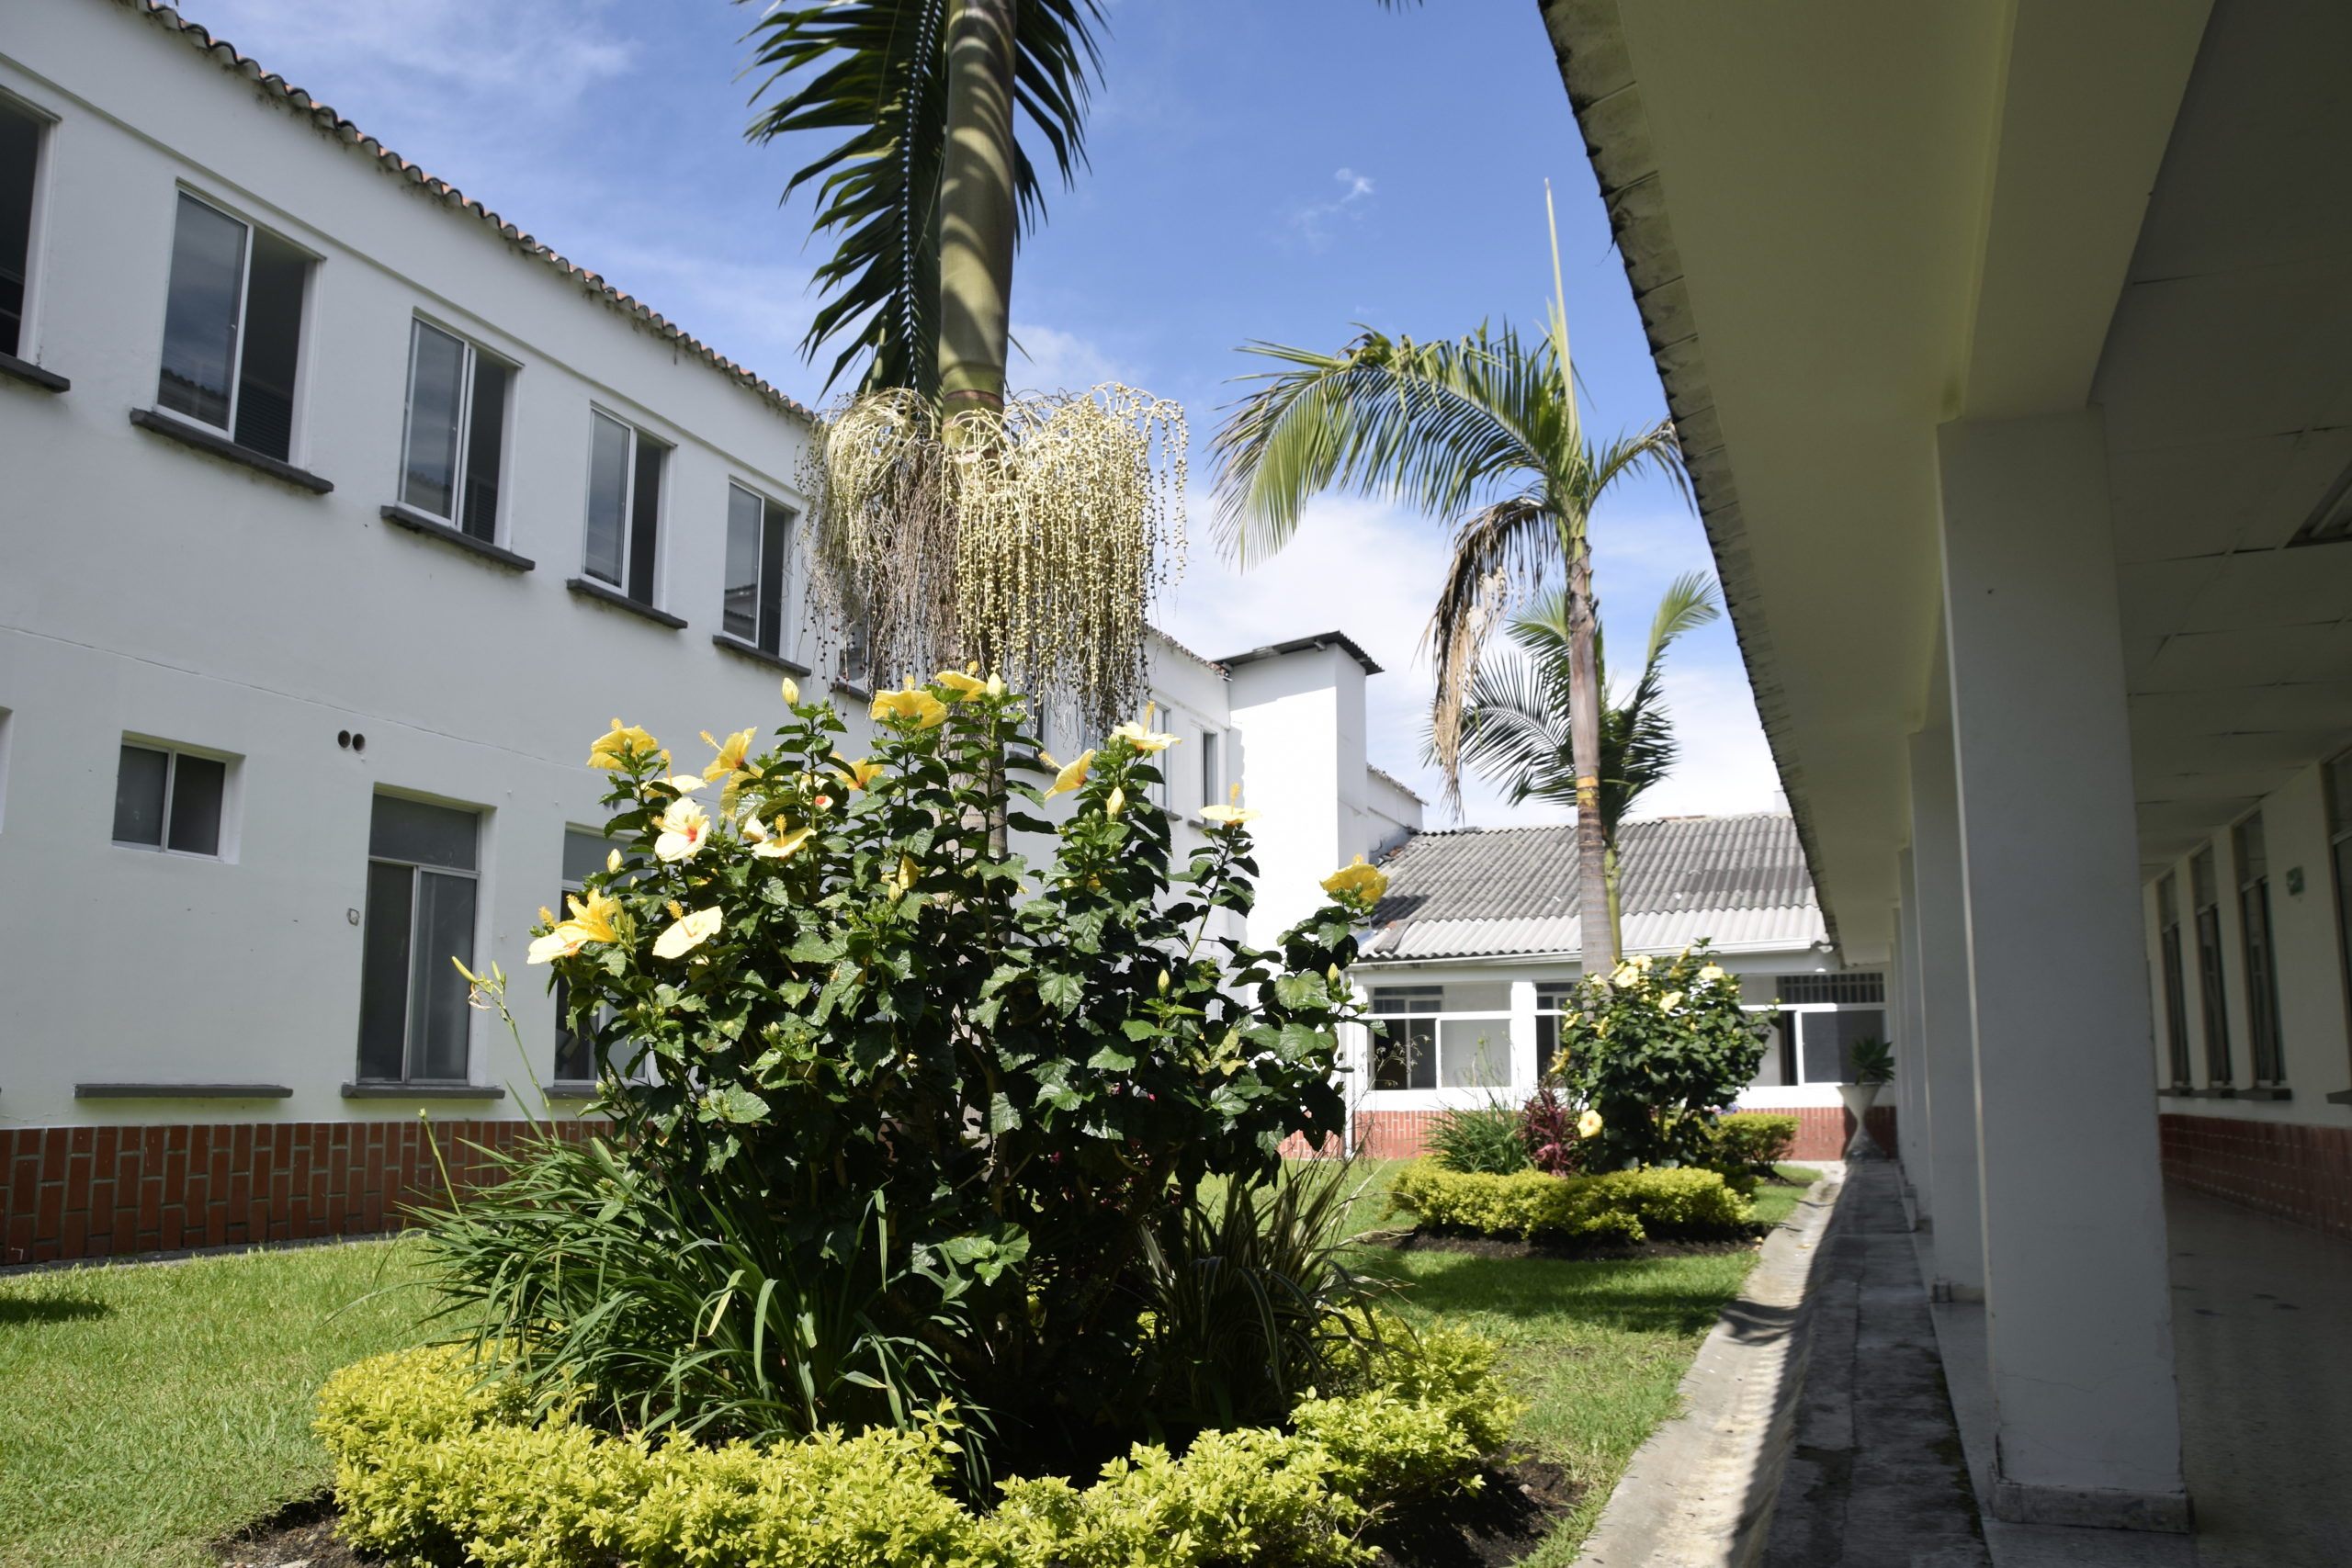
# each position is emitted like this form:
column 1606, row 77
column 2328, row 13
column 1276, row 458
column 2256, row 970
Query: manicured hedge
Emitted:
column 432, row 1461
column 1621, row 1205
column 1755, row 1140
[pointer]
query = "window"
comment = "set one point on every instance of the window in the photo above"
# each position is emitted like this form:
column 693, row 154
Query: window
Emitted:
column 2213, row 1010
column 1404, row 1045
column 855, row 674
column 759, row 535
column 421, row 893
column 575, row 1052
column 1551, row 999
column 2261, row 957
column 624, row 506
column 232, row 328
column 456, row 431
column 2176, row 982
column 1212, row 768
column 1866, row 989
column 168, row 800
column 19, row 160
column 2338, row 777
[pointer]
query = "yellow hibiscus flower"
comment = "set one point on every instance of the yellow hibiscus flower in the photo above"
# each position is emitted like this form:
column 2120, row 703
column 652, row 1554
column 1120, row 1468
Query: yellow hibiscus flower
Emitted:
column 686, row 827
column 619, row 748
column 590, row 921
column 1142, row 739
column 791, row 689
column 688, row 933
column 963, row 685
column 1669, row 1001
column 1358, row 884
column 1116, row 803
column 920, row 709
column 1589, row 1123
column 1071, row 776
column 1227, row 816
column 731, row 754
column 1710, row 973
column 857, row 774
column 784, row 843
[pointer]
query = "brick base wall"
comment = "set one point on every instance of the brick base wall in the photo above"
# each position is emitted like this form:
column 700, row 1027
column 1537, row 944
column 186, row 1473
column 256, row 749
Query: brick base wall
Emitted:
column 2298, row 1173
column 1823, row 1132
column 70, row 1192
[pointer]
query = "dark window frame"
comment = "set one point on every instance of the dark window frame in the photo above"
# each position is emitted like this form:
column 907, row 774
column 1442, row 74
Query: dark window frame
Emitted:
column 639, row 548
column 2175, row 974
column 2258, row 951
column 468, row 513
column 167, row 824
column 235, row 426
column 772, row 577
column 17, row 285
column 417, row 966
column 2212, row 979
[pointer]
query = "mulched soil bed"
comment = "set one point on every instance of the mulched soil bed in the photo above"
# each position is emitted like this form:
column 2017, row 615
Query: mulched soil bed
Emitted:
column 1507, row 1519
column 1446, row 1238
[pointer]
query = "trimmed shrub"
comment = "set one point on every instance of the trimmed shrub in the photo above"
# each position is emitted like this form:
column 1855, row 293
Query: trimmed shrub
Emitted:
column 1621, row 1205
column 1488, row 1138
column 432, row 1461
column 1753, row 1141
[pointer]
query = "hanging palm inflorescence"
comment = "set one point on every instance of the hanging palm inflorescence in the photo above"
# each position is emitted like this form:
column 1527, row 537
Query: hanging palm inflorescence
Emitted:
column 1516, row 729
column 1484, row 429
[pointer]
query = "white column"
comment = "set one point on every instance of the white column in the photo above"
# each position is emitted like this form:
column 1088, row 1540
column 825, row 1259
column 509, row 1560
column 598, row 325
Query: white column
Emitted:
column 1948, row 1039
column 1912, row 1132
column 1525, row 1068
column 2079, row 1308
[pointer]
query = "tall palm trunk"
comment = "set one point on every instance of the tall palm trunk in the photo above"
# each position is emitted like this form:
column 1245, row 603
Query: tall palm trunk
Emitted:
column 978, row 216
column 1599, row 934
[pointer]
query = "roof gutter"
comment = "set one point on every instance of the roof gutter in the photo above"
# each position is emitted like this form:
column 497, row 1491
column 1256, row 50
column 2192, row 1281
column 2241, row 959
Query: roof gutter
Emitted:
column 1588, row 41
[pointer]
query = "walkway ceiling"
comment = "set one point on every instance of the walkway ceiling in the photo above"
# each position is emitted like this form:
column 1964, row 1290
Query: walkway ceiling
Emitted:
column 1850, row 222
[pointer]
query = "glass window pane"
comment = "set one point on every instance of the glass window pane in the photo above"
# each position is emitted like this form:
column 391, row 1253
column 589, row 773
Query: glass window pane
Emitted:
column 273, row 346
column 383, row 972
column 644, row 519
column 19, row 151
column 740, row 613
column 1211, row 773
column 1474, row 1054
column 200, row 317
column 607, row 499
column 435, row 396
column 583, row 854
column 438, row 1014
column 775, row 538
column 197, row 787
column 139, row 795
column 485, row 447
column 1821, row 1055
column 575, row 1053
column 420, row 834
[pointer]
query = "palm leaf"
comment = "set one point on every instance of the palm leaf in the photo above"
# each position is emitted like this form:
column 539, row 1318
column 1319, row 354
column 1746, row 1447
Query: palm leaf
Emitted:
column 875, row 72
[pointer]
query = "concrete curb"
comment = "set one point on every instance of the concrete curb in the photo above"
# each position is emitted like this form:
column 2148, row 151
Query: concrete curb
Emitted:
column 1700, row 1493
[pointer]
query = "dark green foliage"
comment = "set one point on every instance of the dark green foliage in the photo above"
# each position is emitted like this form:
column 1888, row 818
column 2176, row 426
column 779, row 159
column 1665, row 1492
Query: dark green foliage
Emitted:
column 1657, row 1050
column 1753, row 1141
column 1489, row 1139
column 1874, row 1061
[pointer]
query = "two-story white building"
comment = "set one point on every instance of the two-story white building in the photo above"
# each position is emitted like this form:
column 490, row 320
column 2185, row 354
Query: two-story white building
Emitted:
column 337, row 515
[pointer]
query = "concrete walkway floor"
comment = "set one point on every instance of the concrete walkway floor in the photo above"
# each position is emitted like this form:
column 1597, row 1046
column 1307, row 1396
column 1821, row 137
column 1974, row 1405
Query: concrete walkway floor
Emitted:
column 1893, row 1439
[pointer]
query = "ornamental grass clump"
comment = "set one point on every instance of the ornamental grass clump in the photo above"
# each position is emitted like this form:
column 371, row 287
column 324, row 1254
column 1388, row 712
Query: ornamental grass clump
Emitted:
column 897, row 1114
column 1655, row 1053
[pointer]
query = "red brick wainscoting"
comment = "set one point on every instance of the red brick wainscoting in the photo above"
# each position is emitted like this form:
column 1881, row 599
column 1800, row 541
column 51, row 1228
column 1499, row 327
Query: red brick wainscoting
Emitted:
column 2298, row 1173
column 103, row 1191
column 1823, row 1132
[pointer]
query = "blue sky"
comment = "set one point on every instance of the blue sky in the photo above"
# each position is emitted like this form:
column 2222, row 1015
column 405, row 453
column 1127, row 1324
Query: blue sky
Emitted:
column 1259, row 171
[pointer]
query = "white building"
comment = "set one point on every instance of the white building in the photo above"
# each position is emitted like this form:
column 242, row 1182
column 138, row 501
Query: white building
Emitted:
column 1477, row 945
column 339, row 516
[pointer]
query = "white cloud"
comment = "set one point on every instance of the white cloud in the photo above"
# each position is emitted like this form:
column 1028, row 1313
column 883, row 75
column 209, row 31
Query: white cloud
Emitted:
column 1314, row 219
column 1372, row 572
column 1046, row 359
column 534, row 54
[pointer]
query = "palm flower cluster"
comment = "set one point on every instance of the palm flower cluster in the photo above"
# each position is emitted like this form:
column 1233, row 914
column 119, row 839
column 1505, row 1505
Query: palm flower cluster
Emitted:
column 1035, row 541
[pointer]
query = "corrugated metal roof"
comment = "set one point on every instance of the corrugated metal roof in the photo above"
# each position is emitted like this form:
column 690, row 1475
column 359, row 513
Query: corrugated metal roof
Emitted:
column 225, row 54
column 1739, row 882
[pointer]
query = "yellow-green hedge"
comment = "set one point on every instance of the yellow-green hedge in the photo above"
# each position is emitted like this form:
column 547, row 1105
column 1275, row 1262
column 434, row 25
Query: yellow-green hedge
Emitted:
column 432, row 1461
column 1621, row 1205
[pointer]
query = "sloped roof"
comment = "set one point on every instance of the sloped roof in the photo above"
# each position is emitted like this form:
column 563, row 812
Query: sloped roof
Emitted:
column 225, row 55
column 1739, row 882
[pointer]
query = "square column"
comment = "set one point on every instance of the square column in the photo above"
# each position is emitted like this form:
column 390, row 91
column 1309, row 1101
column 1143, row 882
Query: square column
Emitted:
column 2078, row 1307
column 1525, row 1070
column 1912, row 1132
column 1947, row 1006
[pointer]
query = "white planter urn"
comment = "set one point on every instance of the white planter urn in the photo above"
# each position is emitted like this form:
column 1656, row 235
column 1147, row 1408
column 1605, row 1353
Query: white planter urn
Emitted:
column 1859, row 1099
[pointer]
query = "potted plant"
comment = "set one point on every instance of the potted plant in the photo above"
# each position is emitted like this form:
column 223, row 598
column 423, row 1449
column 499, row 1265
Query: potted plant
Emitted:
column 1873, row 1063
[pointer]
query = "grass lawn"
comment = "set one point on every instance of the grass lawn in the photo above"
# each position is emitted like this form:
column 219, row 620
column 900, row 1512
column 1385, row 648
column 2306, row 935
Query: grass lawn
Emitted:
column 1598, row 1347
column 147, row 1410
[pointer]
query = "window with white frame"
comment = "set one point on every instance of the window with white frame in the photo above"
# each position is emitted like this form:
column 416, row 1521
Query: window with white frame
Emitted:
column 2258, row 946
column 453, row 441
column 624, row 506
column 1404, row 1035
column 1552, row 1000
column 168, row 799
column 1211, row 768
column 232, row 328
column 422, row 866
column 20, row 135
column 759, row 570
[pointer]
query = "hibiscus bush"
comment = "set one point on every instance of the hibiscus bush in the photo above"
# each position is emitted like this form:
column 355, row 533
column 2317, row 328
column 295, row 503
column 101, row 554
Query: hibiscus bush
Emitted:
column 1653, row 1056
column 904, row 1099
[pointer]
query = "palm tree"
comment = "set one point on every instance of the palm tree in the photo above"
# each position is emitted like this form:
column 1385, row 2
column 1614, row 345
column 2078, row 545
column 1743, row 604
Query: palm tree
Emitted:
column 1484, row 429
column 1516, row 729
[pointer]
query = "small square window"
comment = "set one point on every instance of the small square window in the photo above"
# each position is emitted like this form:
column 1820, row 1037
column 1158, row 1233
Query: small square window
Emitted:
column 232, row 328
column 166, row 799
column 624, row 506
column 759, row 543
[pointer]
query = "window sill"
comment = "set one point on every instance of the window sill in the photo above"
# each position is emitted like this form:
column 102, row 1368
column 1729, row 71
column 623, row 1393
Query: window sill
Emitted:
column 203, row 440
column 757, row 654
column 33, row 375
column 2266, row 1092
column 570, row 1091
column 2341, row 1097
column 848, row 689
column 381, row 1091
column 434, row 528
column 589, row 588
column 182, row 1091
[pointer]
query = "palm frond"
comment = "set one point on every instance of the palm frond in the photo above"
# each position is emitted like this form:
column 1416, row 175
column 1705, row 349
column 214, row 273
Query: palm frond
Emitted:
column 1688, row 603
column 875, row 71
